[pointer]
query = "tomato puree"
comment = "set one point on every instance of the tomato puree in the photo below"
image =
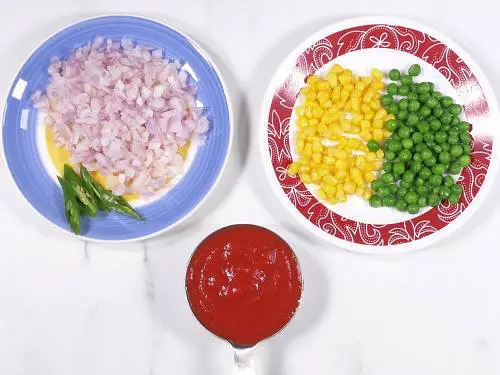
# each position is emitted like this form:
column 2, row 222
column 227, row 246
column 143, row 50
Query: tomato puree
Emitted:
column 243, row 284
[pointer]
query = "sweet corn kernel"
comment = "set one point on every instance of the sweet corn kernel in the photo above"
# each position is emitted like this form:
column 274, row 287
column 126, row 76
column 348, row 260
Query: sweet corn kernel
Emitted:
column 293, row 169
column 378, row 134
column 380, row 154
column 369, row 177
column 377, row 74
column 306, row 178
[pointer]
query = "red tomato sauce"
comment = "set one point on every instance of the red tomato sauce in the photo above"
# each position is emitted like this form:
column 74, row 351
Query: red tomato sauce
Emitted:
column 243, row 284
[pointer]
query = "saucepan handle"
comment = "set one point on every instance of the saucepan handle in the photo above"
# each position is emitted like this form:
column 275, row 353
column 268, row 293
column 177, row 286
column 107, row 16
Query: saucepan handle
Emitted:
column 243, row 362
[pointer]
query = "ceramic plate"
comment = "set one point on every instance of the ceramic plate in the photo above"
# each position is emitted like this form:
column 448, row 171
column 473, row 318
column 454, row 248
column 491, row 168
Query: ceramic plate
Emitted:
column 361, row 44
column 26, row 150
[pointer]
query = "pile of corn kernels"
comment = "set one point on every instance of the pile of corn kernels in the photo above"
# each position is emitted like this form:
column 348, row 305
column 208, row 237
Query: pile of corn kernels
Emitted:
column 337, row 118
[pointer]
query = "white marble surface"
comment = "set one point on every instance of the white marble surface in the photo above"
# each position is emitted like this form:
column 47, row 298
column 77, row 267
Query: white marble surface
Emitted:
column 71, row 308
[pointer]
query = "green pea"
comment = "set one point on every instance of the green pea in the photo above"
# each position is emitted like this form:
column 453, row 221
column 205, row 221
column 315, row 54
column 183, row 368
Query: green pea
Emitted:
column 453, row 139
column 422, row 190
column 446, row 118
column 387, row 100
column 373, row 145
column 464, row 125
column 384, row 191
column 438, row 112
column 455, row 168
column 423, row 126
column 429, row 137
column 467, row 149
column 419, row 181
column 413, row 106
column 422, row 202
column 431, row 86
column 464, row 161
column 454, row 198
column 415, row 166
column 412, row 95
column 407, row 143
column 448, row 181
column 391, row 125
column 445, row 147
column 425, row 173
column 456, row 109
column 394, row 145
column 437, row 149
column 436, row 190
column 404, row 90
column 406, row 80
column 403, row 104
column 393, row 188
column 417, row 137
column 424, row 96
column 420, row 147
column 413, row 208
column 387, row 178
column 456, row 151
column 398, row 167
column 425, row 87
column 432, row 102
column 404, row 132
column 388, row 201
column 401, row 205
column 375, row 201
column 392, row 108
column 414, row 70
column 444, row 157
column 455, row 121
column 465, row 138
column 440, row 137
column 435, row 124
column 439, row 169
column 453, row 131
column 444, row 192
column 375, row 185
column 402, row 191
column 456, row 189
column 405, row 155
column 433, row 200
column 426, row 154
column 417, row 156
column 435, row 180
column 408, row 176
column 446, row 101
column 436, row 94
column 411, row 197
column 389, row 155
column 405, row 184
column 387, row 167
column 392, row 89
column 402, row 114
column 430, row 162
column 394, row 75
column 445, row 128
column 425, row 111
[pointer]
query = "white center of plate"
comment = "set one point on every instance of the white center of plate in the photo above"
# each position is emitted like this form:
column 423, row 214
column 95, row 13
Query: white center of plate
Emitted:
column 361, row 63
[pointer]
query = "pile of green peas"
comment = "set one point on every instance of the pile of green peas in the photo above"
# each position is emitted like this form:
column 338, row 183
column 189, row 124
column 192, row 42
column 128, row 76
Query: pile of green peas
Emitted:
column 429, row 144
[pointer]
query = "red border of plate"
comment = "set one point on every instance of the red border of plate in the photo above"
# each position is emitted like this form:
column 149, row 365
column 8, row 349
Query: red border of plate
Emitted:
column 378, row 35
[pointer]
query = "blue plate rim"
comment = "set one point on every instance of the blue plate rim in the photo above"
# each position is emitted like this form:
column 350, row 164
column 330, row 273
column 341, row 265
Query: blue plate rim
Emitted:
column 227, row 96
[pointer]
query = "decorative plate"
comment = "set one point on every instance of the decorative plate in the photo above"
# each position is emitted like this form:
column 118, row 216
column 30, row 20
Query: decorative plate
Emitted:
column 25, row 150
column 361, row 44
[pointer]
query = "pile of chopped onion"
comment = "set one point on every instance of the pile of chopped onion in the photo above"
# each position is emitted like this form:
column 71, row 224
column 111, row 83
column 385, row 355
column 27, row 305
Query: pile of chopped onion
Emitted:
column 123, row 110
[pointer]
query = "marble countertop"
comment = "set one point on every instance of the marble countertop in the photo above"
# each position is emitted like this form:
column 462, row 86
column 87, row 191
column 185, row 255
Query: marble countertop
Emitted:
column 68, row 307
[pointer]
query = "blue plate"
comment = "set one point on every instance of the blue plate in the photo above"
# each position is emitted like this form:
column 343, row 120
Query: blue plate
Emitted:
column 20, row 138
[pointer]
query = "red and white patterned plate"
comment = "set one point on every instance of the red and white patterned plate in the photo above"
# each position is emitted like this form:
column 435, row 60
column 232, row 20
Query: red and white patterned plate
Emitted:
column 361, row 44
